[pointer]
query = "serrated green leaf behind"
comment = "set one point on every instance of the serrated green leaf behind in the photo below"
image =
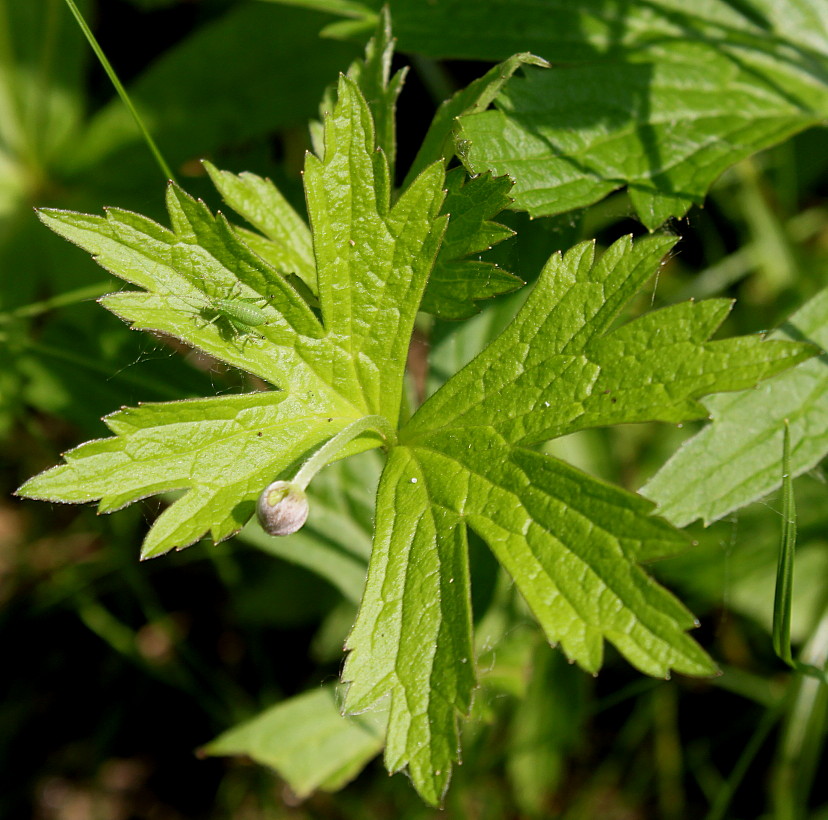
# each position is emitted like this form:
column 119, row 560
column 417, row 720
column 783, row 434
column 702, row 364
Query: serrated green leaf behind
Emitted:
column 658, row 97
column 735, row 460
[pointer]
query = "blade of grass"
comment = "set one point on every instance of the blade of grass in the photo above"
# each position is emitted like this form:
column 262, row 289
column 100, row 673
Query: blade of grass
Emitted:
column 803, row 734
column 783, row 597
column 782, row 647
column 718, row 811
column 784, row 569
column 122, row 93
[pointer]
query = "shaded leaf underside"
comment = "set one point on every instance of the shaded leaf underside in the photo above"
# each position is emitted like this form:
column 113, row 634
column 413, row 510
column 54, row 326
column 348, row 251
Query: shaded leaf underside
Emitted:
column 661, row 97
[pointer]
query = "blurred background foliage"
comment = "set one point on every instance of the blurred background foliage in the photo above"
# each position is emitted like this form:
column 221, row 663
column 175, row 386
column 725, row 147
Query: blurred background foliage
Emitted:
column 115, row 672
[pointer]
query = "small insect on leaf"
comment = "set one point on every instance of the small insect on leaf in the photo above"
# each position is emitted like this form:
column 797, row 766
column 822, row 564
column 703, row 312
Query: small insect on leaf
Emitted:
column 233, row 315
column 243, row 311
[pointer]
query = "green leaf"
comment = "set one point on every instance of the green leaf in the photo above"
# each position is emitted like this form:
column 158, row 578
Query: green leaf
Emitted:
column 477, row 96
column 372, row 261
column 735, row 459
column 559, row 367
column 307, row 741
column 224, row 450
column 659, row 97
column 457, row 282
column 203, row 285
column 568, row 33
column 287, row 243
column 412, row 638
column 372, row 76
column 181, row 277
column 571, row 543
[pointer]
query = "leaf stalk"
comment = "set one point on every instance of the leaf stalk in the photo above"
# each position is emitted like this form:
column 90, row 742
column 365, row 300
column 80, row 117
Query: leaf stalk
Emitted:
column 122, row 92
column 328, row 451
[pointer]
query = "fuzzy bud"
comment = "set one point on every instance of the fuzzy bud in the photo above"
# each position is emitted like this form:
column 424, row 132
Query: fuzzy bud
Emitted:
column 282, row 508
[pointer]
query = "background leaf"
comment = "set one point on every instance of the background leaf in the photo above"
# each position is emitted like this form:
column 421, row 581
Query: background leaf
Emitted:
column 637, row 97
column 457, row 282
column 735, row 459
column 307, row 741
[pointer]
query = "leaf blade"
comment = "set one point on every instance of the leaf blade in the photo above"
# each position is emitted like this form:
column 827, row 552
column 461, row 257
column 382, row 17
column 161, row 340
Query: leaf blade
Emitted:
column 642, row 112
column 412, row 637
column 306, row 740
column 223, row 450
column 564, row 538
column 457, row 283
column 372, row 259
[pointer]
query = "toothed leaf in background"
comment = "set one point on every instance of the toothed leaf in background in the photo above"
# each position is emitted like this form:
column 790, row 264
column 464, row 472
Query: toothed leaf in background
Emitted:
column 658, row 97
column 457, row 283
column 735, row 459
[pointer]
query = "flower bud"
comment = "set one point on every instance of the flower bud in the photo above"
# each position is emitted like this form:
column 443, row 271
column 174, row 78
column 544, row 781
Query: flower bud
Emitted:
column 282, row 508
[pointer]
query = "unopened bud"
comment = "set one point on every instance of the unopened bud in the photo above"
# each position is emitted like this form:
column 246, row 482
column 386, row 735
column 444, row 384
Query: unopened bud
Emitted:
column 282, row 508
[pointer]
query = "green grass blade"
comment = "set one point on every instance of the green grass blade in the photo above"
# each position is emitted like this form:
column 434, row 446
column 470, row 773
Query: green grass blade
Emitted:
column 122, row 92
column 718, row 811
column 784, row 570
column 783, row 598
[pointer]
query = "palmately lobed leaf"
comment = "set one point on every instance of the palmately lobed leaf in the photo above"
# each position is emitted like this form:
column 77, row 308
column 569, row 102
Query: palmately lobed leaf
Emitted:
column 337, row 349
column 202, row 284
column 571, row 543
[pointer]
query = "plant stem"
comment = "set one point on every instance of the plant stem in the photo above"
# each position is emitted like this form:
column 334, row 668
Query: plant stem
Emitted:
column 122, row 93
column 330, row 448
column 71, row 297
column 722, row 802
column 802, row 740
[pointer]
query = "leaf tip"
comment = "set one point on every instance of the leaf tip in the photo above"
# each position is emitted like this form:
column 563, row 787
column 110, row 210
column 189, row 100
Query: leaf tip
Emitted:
column 153, row 552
